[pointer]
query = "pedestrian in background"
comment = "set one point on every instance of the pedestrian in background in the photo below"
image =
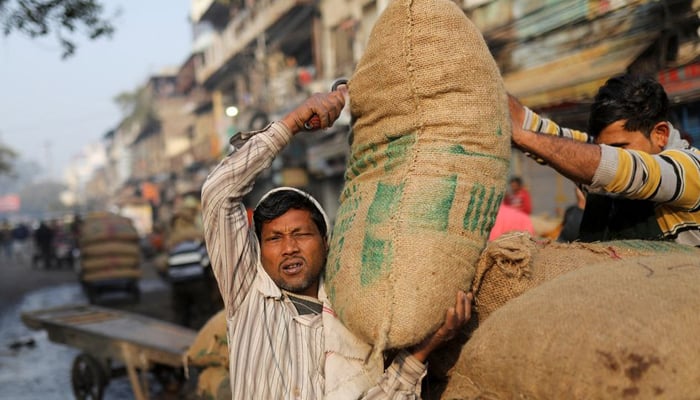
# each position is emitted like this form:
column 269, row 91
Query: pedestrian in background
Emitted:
column 518, row 197
column 43, row 238
column 572, row 218
column 510, row 219
column 20, row 236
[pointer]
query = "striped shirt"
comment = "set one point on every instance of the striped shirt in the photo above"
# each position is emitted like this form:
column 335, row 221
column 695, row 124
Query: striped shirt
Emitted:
column 670, row 179
column 275, row 351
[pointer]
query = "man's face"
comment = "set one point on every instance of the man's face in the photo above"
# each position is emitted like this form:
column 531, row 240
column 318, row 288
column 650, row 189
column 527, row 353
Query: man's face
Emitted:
column 617, row 136
column 293, row 252
column 514, row 186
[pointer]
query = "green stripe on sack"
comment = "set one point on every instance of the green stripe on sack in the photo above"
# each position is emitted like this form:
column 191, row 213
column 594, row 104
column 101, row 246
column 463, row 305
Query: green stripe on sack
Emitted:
column 385, row 203
column 397, row 150
column 376, row 258
column 376, row 252
column 476, row 200
column 482, row 209
column 460, row 150
column 434, row 213
column 488, row 211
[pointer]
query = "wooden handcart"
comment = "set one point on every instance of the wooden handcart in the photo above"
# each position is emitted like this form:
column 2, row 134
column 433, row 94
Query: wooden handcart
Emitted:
column 109, row 337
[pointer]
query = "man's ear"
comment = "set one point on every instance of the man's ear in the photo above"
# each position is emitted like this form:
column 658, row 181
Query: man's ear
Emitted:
column 659, row 135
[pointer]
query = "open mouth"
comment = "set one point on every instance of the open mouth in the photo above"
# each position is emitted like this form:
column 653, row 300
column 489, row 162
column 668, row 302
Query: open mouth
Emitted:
column 292, row 268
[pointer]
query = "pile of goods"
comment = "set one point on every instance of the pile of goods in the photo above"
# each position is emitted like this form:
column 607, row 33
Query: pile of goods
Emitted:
column 516, row 263
column 209, row 354
column 109, row 248
column 624, row 328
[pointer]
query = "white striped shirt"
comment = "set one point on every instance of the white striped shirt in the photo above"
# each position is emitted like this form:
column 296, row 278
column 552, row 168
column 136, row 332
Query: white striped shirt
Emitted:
column 275, row 353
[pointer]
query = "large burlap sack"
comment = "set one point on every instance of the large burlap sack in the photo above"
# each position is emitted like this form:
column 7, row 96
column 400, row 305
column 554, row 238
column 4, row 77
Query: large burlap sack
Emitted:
column 210, row 346
column 103, row 263
column 516, row 263
column 103, row 275
column 106, row 226
column 182, row 234
column 430, row 155
column 614, row 330
column 214, row 383
column 111, row 248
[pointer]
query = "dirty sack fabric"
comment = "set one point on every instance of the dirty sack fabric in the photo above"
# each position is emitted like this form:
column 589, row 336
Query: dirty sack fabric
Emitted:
column 612, row 330
column 429, row 159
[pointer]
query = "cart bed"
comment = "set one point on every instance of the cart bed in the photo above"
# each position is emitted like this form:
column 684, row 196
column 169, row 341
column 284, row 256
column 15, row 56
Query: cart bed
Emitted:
column 105, row 332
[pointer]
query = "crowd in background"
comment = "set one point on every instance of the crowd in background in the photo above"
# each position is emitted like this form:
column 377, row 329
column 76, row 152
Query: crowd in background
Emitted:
column 42, row 244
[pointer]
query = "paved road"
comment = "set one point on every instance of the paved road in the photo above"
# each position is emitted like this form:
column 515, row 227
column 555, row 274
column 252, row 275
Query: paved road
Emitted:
column 33, row 367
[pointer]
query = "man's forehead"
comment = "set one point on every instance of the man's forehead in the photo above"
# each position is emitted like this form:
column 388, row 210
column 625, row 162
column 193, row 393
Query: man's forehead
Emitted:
column 293, row 218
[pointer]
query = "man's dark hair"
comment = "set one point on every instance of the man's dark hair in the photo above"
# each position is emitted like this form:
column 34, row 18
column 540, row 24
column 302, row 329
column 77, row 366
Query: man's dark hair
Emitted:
column 280, row 202
column 640, row 100
column 517, row 180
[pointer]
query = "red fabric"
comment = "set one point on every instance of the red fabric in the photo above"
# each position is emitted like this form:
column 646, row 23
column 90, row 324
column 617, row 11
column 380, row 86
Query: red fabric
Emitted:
column 510, row 219
column 520, row 200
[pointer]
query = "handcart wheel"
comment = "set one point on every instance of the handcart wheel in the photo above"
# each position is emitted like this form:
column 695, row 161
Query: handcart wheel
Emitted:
column 88, row 378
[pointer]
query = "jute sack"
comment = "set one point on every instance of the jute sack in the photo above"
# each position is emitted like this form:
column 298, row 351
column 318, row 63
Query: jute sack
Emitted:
column 122, row 273
column 182, row 234
column 213, row 383
column 111, row 248
column 210, row 346
column 106, row 226
column 516, row 263
column 613, row 330
column 426, row 174
column 103, row 263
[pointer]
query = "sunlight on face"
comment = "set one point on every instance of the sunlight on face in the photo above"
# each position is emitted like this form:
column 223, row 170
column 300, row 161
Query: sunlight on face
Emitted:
column 293, row 252
column 617, row 136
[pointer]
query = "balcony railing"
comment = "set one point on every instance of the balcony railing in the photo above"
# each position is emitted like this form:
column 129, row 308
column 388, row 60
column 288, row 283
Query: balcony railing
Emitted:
column 245, row 26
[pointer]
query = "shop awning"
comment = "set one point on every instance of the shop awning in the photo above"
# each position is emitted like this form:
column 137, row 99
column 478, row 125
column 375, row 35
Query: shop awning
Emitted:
column 578, row 76
column 682, row 83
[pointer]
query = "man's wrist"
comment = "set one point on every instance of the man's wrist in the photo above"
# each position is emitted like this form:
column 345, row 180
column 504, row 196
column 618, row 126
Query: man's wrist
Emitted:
column 291, row 125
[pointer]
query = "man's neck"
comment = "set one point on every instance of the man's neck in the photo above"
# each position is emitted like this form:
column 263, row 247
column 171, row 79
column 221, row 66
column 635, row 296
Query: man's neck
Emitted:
column 304, row 304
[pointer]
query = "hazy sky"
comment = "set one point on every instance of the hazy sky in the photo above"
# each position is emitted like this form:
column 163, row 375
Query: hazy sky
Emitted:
column 51, row 108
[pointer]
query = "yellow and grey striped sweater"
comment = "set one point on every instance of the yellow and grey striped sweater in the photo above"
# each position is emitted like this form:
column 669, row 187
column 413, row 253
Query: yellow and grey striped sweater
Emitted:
column 670, row 179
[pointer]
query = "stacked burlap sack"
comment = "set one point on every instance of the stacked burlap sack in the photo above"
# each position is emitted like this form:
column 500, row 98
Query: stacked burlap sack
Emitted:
column 516, row 263
column 184, row 225
column 209, row 354
column 429, row 159
column 624, row 328
column 109, row 248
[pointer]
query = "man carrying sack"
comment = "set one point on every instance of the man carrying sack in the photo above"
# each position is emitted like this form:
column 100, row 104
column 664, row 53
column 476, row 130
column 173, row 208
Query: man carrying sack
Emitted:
column 284, row 338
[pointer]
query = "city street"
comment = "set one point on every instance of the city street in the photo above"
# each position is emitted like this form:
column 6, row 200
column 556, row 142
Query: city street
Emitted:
column 33, row 367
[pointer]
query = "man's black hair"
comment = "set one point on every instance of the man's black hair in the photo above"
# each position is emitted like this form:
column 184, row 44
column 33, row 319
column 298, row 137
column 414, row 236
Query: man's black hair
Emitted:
column 279, row 203
column 517, row 180
column 640, row 100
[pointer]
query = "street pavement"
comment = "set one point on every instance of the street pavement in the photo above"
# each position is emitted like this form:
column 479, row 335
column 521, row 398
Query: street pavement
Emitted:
column 34, row 367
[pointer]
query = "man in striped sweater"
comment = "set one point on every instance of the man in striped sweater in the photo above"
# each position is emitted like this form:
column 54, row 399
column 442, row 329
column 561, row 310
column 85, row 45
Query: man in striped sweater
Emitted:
column 643, row 179
column 284, row 339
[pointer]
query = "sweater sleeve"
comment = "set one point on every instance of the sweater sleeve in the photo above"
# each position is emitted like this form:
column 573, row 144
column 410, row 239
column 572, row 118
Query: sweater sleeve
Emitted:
column 671, row 177
column 536, row 123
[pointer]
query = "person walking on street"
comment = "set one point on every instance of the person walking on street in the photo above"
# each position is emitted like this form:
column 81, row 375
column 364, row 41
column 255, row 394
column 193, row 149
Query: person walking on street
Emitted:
column 43, row 238
column 20, row 240
column 280, row 322
column 643, row 179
